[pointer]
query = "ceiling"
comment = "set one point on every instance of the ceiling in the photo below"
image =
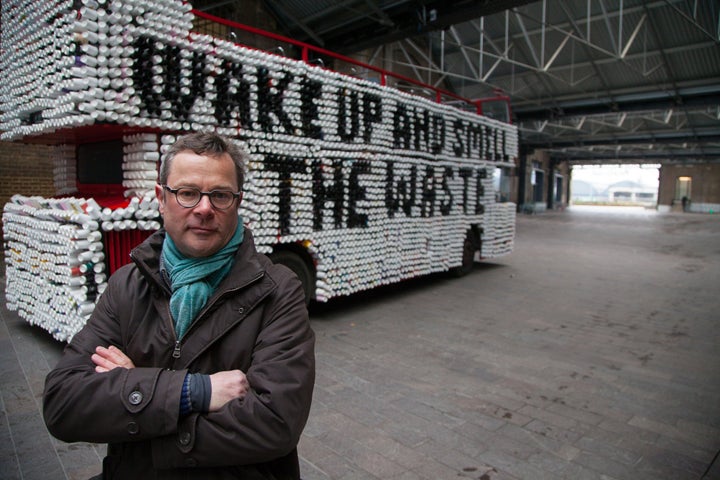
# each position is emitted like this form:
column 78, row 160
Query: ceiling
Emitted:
column 590, row 81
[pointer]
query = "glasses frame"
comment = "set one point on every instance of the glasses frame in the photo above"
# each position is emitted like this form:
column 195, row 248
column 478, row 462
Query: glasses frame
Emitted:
column 175, row 191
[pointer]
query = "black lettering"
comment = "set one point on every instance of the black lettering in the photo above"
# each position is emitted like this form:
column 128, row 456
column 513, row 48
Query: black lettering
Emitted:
column 323, row 193
column 345, row 135
column 318, row 195
column 480, row 192
column 223, row 101
column 474, row 140
column 391, row 201
column 421, row 129
column 496, row 152
column 226, row 101
column 356, row 193
column 400, row 193
column 158, row 74
column 182, row 98
column 458, row 130
column 427, row 203
column 310, row 91
column 438, row 134
column 488, row 134
column 465, row 174
column 503, row 147
column 372, row 113
column 143, row 81
column 270, row 102
column 198, row 78
column 285, row 166
column 401, row 128
column 447, row 203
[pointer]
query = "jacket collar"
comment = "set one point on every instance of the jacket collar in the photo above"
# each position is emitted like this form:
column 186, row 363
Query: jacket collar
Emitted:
column 246, row 269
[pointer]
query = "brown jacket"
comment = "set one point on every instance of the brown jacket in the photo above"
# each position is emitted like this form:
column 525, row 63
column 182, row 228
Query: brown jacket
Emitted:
column 256, row 322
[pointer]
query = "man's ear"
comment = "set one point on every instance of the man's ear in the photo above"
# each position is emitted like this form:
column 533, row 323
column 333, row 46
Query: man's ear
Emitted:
column 160, row 194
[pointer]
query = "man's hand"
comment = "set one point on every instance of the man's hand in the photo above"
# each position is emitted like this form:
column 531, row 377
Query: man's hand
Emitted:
column 105, row 359
column 226, row 386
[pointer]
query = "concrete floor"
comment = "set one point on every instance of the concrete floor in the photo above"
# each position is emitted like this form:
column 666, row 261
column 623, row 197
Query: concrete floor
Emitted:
column 591, row 352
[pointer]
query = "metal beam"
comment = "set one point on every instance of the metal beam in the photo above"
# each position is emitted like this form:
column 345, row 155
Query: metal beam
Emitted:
column 705, row 135
column 635, row 103
column 406, row 25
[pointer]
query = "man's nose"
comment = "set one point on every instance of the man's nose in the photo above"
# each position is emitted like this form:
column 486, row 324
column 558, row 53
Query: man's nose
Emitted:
column 204, row 205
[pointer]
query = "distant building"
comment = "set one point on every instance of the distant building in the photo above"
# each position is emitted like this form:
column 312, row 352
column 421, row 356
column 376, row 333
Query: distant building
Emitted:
column 585, row 192
column 631, row 192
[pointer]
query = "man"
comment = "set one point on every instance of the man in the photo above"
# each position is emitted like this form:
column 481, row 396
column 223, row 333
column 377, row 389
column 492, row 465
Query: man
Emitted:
column 198, row 360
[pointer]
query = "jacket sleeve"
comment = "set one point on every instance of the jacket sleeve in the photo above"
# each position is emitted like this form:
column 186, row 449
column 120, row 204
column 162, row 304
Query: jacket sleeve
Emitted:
column 268, row 422
column 80, row 404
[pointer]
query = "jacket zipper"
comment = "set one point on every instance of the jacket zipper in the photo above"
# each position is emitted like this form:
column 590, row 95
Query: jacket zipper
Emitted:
column 178, row 343
column 177, row 350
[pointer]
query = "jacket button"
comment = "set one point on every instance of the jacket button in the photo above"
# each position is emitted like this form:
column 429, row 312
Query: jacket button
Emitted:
column 135, row 398
column 185, row 439
column 133, row 428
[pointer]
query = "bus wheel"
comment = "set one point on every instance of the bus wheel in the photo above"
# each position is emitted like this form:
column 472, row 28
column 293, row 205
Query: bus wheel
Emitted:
column 468, row 257
column 300, row 268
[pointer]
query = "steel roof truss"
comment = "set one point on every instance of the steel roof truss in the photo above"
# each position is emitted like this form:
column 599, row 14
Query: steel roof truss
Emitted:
column 464, row 53
column 631, row 40
column 528, row 43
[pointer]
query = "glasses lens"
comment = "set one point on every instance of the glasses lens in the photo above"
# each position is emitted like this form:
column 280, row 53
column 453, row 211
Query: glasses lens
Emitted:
column 221, row 199
column 188, row 197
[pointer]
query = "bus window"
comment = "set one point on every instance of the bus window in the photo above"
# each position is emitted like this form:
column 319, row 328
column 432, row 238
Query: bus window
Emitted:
column 496, row 107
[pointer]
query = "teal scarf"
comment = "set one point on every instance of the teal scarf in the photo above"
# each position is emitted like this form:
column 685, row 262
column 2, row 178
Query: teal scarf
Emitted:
column 193, row 280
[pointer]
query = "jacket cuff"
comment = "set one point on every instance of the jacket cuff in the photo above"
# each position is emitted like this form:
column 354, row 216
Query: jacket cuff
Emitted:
column 196, row 393
column 185, row 401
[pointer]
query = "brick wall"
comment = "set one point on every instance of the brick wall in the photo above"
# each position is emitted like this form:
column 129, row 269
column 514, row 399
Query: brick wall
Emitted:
column 26, row 169
column 705, row 180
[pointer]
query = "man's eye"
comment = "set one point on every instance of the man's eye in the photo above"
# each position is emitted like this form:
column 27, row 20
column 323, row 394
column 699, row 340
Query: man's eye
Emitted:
column 187, row 194
column 222, row 196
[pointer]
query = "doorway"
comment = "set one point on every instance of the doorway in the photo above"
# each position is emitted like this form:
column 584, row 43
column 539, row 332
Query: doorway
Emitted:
column 683, row 192
column 558, row 190
column 538, row 180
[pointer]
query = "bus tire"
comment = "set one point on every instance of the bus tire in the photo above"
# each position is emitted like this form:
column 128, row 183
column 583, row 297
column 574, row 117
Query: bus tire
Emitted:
column 468, row 257
column 300, row 268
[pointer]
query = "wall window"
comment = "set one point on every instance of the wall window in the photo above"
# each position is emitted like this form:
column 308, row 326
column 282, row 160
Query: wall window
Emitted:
column 100, row 163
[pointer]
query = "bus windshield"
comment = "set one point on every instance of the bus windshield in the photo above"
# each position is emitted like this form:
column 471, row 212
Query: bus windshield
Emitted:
column 495, row 107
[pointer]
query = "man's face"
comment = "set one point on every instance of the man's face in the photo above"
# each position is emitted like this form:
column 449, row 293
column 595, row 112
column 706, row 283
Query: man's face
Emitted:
column 202, row 230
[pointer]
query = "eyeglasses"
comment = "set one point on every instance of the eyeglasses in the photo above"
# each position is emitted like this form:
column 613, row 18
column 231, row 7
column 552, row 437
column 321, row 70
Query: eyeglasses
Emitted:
column 189, row 197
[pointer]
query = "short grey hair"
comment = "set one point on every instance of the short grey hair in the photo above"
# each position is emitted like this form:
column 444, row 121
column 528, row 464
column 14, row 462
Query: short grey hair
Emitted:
column 210, row 144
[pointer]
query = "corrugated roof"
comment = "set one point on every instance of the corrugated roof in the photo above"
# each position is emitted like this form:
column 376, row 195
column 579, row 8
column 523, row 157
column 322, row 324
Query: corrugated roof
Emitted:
column 641, row 76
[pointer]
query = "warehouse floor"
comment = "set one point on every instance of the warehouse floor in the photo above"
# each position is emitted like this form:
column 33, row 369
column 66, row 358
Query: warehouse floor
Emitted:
column 591, row 352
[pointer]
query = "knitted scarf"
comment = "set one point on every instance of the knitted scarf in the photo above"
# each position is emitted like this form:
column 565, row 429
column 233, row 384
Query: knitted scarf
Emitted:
column 193, row 280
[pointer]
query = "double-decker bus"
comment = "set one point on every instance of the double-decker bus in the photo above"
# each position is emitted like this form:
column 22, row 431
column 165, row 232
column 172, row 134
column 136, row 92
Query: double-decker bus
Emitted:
column 350, row 182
